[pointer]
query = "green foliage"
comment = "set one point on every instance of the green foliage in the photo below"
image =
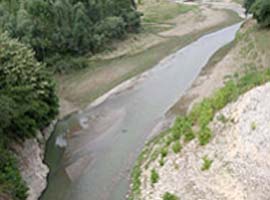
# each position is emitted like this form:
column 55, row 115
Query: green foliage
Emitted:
column 253, row 126
column 68, row 26
column 161, row 162
column 164, row 152
column 182, row 126
column 222, row 118
column 27, row 92
column 176, row 147
column 206, row 163
column 205, row 135
column 27, row 103
column 261, row 12
column 169, row 196
column 66, row 63
column 248, row 4
column 11, row 183
column 154, row 176
column 203, row 113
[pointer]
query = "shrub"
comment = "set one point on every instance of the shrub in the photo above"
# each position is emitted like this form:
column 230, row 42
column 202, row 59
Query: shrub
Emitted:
column 225, row 95
column 188, row 136
column 182, row 125
column 261, row 12
column 202, row 113
column 27, row 92
column 169, row 196
column 205, row 135
column 248, row 4
column 206, row 163
column 154, row 176
column 112, row 27
column 176, row 147
column 164, row 152
column 65, row 64
column 253, row 126
column 161, row 162
column 11, row 182
column 68, row 26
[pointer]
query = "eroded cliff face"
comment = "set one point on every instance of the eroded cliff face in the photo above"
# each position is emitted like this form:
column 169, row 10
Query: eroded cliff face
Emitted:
column 240, row 151
column 30, row 156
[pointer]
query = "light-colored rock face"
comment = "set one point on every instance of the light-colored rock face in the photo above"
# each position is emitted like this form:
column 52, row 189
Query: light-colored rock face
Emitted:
column 30, row 159
column 32, row 168
column 240, row 151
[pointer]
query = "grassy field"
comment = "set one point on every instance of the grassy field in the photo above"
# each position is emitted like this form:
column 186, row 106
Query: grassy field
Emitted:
column 162, row 11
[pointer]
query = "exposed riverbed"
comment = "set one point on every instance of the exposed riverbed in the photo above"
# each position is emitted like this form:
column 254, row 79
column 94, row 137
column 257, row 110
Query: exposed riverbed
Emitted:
column 92, row 152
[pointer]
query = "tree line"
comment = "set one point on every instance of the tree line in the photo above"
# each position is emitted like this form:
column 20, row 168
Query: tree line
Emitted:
column 74, row 27
column 31, row 33
column 260, row 9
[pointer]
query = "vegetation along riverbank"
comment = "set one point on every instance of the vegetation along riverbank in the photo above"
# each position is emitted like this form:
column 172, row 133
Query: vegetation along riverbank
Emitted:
column 58, row 56
column 187, row 160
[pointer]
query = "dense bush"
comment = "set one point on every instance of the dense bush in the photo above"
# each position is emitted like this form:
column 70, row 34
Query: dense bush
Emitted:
column 27, row 93
column 11, row 183
column 27, row 103
column 261, row 12
column 68, row 26
column 248, row 4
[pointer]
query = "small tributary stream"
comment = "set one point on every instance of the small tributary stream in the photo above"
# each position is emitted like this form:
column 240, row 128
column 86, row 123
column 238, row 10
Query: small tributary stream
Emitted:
column 103, row 141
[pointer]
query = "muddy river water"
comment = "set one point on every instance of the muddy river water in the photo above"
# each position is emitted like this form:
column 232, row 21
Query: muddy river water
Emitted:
column 91, row 153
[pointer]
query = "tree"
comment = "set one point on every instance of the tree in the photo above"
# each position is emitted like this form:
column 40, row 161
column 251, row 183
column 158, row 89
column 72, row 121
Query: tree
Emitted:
column 248, row 4
column 27, row 93
column 261, row 12
column 68, row 27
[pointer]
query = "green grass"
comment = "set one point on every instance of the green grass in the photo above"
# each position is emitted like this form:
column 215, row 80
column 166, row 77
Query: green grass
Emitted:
column 154, row 177
column 253, row 126
column 207, row 163
column 169, row 196
column 176, row 147
column 164, row 152
column 164, row 11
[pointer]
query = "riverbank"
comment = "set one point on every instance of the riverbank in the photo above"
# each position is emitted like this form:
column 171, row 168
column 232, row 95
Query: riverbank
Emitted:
column 125, row 118
column 80, row 88
column 247, row 52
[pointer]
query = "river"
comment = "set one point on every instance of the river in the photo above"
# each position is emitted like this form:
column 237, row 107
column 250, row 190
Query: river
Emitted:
column 91, row 153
